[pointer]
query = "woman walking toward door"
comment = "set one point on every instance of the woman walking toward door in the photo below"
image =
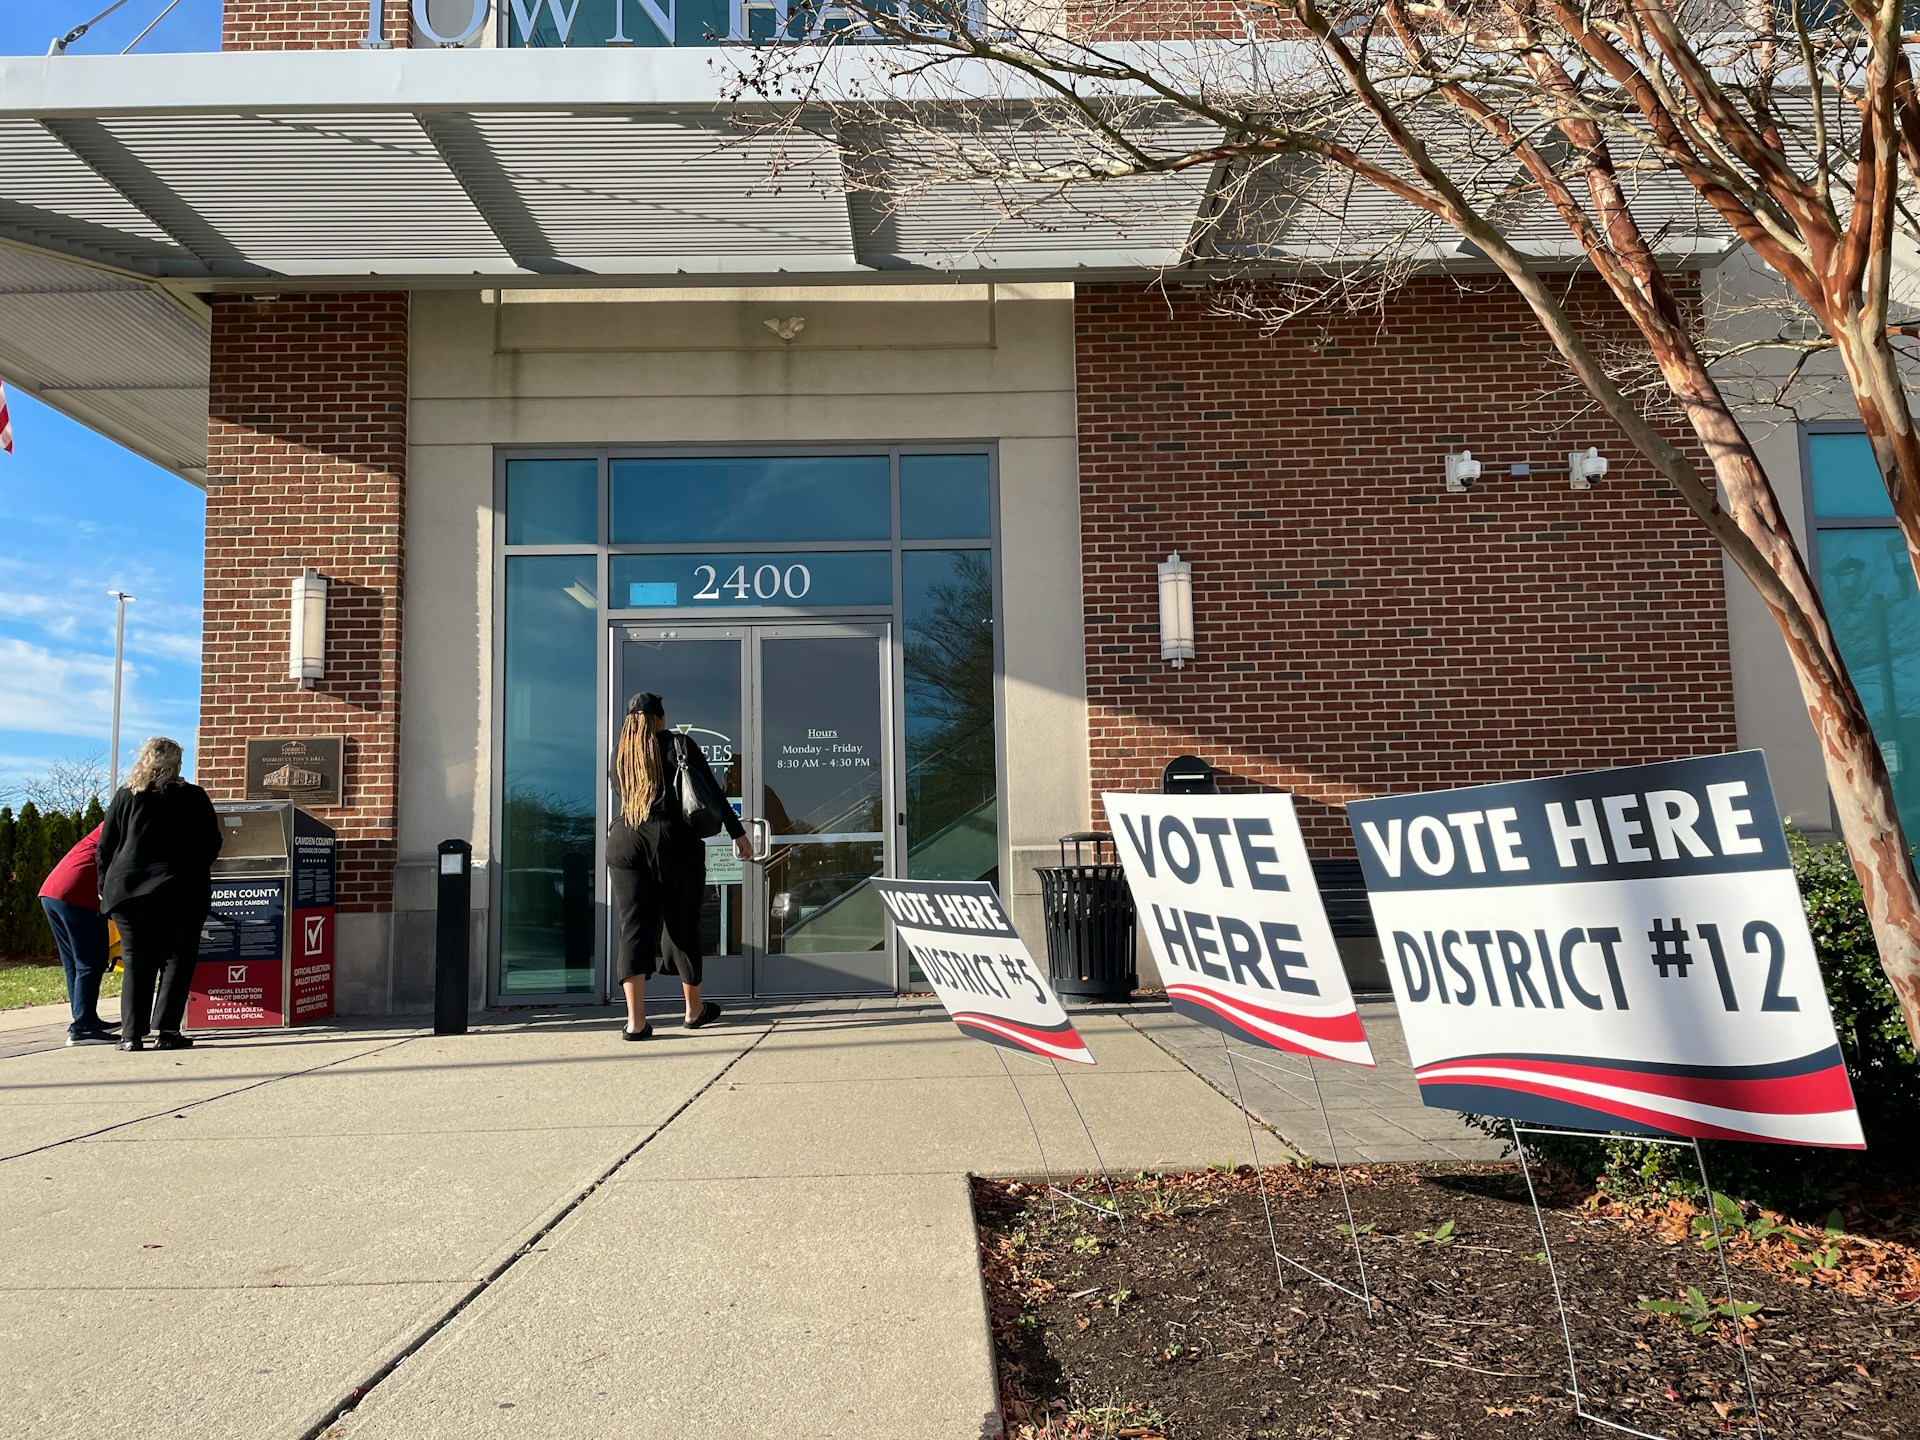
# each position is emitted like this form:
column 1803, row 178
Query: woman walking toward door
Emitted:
column 156, row 853
column 657, row 861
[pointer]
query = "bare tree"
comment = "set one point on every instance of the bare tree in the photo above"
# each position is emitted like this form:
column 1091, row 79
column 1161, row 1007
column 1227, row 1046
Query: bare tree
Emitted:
column 65, row 786
column 1345, row 146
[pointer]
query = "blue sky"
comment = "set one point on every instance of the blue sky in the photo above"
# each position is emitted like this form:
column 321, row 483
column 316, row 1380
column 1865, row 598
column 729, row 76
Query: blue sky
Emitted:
column 80, row 516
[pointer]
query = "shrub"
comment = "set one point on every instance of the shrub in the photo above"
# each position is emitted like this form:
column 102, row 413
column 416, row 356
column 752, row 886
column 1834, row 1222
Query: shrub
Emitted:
column 1873, row 1039
column 31, row 844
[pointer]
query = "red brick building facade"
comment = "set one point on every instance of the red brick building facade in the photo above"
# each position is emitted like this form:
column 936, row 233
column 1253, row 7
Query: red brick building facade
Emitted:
column 322, row 25
column 1359, row 629
column 306, row 467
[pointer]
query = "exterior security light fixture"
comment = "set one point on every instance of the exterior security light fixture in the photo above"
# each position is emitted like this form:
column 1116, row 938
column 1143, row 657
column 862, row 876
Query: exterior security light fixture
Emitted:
column 307, row 655
column 1176, row 610
column 1585, row 466
column 1462, row 471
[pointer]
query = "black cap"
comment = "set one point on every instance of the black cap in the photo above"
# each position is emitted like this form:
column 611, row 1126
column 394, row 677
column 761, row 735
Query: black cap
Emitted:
column 647, row 703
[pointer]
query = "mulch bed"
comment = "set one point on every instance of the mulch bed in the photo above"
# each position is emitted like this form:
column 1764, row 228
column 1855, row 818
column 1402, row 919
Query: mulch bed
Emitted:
column 1177, row 1327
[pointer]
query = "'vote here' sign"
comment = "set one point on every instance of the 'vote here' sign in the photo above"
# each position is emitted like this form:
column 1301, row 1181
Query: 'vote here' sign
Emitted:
column 970, row 953
column 1615, row 950
column 1225, row 890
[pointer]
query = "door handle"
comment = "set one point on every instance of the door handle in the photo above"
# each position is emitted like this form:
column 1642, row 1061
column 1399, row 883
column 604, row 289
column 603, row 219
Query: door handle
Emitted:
column 762, row 832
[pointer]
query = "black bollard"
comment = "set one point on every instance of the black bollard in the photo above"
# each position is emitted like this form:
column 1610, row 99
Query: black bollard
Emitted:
column 450, row 964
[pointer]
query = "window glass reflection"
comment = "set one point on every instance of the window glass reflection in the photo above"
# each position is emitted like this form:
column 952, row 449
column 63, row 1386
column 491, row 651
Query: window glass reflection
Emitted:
column 944, row 497
column 553, row 502
column 1867, row 583
column 549, row 771
column 952, row 775
column 1846, row 478
column 729, row 499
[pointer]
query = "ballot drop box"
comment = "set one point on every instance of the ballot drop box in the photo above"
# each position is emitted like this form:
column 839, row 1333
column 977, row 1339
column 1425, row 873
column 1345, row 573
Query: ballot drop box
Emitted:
column 266, row 951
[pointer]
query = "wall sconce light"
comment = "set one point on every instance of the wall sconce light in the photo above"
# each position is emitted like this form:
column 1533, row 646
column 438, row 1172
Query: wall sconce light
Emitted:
column 1176, row 610
column 1585, row 466
column 1462, row 471
column 307, row 654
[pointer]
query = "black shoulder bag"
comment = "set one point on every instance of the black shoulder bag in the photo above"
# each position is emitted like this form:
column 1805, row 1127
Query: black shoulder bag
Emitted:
column 701, row 803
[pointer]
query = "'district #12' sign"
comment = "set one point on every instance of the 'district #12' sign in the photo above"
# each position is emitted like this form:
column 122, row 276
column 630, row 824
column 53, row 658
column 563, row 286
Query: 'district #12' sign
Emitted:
column 1615, row 950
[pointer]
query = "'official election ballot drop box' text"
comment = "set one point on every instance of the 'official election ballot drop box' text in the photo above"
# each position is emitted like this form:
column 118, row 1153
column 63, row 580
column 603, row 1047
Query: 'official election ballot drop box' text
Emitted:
column 266, row 951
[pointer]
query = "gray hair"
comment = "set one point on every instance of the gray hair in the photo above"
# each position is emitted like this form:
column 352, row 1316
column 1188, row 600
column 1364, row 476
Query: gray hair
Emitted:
column 157, row 765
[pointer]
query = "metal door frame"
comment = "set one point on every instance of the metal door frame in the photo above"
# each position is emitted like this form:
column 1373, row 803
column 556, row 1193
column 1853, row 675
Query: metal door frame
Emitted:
column 755, row 901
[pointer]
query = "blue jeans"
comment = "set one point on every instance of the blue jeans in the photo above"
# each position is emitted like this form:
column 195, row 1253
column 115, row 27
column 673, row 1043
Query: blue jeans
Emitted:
column 81, row 935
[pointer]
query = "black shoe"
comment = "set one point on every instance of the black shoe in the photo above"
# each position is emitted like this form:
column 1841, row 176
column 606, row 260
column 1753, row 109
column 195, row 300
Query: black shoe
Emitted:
column 136, row 1043
column 709, row 1012
column 100, row 1030
column 645, row 1032
column 172, row 1040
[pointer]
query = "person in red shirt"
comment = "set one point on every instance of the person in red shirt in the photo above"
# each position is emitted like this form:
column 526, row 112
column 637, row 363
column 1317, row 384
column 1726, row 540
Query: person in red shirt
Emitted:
column 71, row 898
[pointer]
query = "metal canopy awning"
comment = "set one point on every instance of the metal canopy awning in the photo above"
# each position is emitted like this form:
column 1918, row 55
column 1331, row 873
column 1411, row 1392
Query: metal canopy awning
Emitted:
column 490, row 166
column 130, row 185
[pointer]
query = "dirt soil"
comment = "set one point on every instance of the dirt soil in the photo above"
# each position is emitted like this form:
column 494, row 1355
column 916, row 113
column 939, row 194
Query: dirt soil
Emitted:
column 1175, row 1325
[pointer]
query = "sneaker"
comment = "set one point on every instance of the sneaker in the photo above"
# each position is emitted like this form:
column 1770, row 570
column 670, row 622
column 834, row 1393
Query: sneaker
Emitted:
column 91, row 1037
column 172, row 1040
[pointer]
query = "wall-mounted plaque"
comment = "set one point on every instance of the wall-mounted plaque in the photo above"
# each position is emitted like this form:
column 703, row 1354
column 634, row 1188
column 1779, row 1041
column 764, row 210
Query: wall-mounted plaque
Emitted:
column 306, row 771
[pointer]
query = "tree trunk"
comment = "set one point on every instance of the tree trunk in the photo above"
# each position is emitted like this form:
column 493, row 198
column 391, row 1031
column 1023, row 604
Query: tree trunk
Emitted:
column 1856, row 772
column 1870, row 825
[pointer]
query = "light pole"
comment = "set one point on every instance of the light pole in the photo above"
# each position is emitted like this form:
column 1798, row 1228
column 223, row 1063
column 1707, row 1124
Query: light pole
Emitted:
column 119, row 650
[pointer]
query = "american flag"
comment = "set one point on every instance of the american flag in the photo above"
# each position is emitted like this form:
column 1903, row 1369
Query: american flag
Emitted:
column 6, row 423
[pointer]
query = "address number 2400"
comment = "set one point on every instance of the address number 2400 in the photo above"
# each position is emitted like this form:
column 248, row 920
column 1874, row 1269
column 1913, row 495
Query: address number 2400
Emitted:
column 768, row 582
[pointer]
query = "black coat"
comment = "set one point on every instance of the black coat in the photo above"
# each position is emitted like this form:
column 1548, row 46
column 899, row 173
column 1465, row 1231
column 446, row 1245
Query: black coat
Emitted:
column 158, row 842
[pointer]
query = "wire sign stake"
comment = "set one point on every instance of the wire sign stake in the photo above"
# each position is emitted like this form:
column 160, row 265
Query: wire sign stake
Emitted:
column 1237, row 925
column 1280, row 1257
column 1615, row 951
column 1559, row 1294
column 959, row 934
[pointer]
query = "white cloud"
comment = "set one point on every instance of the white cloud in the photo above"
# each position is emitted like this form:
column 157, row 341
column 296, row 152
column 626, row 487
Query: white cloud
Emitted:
column 46, row 600
column 50, row 693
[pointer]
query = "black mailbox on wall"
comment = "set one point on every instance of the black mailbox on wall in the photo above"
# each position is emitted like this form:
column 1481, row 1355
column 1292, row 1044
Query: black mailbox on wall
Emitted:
column 1188, row 775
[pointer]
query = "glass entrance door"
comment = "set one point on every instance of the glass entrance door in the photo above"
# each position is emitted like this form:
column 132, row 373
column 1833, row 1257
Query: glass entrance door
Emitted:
column 794, row 720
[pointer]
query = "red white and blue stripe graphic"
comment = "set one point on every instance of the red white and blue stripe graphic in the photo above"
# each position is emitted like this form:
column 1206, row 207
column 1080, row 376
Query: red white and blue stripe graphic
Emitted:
column 1807, row 1101
column 1336, row 1036
column 6, row 423
column 1049, row 1042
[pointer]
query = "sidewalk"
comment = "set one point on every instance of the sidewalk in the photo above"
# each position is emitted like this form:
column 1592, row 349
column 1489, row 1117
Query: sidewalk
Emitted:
column 1375, row 1114
column 534, row 1229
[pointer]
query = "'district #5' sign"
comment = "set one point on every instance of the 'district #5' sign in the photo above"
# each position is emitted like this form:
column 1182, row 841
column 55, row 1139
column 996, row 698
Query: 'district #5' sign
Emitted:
column 1615, row 950
column 959, row 933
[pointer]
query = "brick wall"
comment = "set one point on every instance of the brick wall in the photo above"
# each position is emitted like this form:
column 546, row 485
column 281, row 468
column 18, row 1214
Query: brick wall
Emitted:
column 1360, row 630
column 1106, row 20
column 306, row 24
column 306, row 462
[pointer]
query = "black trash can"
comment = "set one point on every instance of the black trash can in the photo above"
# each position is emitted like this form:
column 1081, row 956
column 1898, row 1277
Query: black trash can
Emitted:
column 1089, row 913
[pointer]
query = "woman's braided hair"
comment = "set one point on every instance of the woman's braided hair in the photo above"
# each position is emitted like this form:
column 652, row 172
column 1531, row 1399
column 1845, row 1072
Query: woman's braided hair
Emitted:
column 636, row 766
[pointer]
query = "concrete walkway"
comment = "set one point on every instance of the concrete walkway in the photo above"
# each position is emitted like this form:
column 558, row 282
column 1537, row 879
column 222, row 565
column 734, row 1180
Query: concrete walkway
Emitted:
column 761, row 1229
column 1375, row 1115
